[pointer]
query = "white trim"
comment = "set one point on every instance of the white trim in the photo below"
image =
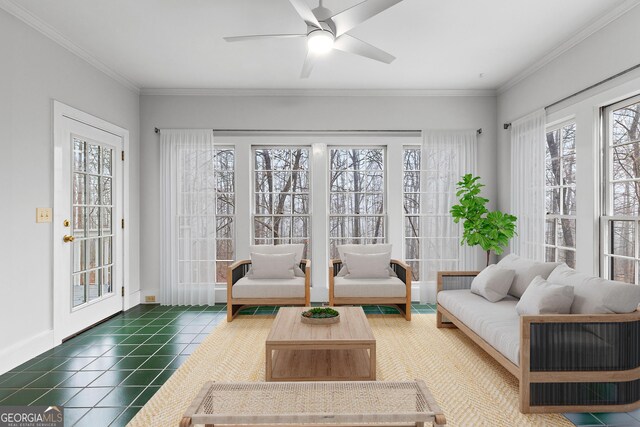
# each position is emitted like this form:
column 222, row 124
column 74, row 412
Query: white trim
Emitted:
column 39, row 25
column 316, row 92
column 133, row 299
column 591, row 28
column 60, row 112
column 24, row 350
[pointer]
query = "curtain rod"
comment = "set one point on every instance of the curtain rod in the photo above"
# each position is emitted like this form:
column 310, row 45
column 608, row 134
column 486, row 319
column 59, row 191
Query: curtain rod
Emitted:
column 601, row 82
column 478, row 131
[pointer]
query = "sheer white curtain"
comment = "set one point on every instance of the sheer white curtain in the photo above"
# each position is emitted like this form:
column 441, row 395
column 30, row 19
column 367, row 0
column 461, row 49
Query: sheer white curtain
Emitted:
column 188, row 235
column 527, row 184
column 446, row 157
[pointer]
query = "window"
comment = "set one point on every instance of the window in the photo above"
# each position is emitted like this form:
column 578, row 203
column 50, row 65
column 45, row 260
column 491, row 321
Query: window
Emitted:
column 622, row 207
column 282, row 190
column 357, row 211
column 225, row 210
column 560, row 172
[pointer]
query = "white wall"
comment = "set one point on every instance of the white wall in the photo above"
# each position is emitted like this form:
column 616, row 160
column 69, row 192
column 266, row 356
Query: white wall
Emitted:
column 605, row 53
column 34, row 70
column 296, row 112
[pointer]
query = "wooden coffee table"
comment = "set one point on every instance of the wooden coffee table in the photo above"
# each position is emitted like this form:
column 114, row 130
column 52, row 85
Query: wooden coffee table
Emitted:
column 343, row 351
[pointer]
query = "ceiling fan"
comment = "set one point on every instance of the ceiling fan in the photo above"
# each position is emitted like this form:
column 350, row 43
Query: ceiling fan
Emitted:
column 327, row 31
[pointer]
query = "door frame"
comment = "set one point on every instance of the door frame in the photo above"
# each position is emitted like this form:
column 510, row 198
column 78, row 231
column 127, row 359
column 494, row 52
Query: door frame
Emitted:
column 60, row 112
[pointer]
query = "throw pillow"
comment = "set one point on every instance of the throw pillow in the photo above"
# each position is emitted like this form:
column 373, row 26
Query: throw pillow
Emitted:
column 297, row 249
column 363, row 249
column 525, row 271
column 594, row 295
column 542, row 297
column 368, row 266
column 272, row 266
column 492, row 283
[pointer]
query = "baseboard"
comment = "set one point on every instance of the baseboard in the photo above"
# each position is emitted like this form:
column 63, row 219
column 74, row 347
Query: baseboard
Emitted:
column 24, row 350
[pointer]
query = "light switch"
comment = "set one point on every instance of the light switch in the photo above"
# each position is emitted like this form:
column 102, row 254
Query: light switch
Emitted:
column 43, row 215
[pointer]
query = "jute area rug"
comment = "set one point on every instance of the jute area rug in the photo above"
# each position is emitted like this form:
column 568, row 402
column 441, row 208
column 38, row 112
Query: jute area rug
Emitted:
column 470, row 387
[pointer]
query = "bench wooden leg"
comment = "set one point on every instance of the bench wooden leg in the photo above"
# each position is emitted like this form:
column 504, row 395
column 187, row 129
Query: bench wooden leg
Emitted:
column 185, row 422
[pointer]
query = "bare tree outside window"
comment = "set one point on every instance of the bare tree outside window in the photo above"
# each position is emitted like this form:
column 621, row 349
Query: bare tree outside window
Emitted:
column 282, row 197
column 623, row 201
column 224, row 167
column 357, row 212
column 560, row 230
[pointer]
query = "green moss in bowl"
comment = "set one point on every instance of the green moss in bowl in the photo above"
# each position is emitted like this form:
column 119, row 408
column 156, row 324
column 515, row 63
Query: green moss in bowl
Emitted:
column 320, row 313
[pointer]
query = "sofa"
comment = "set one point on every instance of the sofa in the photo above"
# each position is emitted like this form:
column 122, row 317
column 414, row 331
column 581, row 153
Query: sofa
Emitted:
column 586, row 360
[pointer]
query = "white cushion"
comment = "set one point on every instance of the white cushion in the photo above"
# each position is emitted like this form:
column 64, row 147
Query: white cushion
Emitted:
column 492, row 283
column 368, row 266
column 389, row 287
column 296, row 248
column 542, row 297
column 525, row 271
column 272, row 266
column 268, row 288
column 363, row 249
column 594, row 295
column 495, row 322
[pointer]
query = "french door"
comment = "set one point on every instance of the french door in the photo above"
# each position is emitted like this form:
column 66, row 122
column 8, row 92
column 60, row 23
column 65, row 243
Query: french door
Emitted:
column 88, row 237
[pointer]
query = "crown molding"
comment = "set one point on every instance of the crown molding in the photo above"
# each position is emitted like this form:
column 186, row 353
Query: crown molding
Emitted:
column 39, row 25
column 591, row 28
column 317, row 92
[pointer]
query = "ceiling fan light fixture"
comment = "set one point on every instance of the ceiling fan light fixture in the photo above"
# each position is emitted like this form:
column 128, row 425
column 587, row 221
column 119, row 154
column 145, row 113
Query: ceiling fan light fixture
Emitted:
column 320, row 41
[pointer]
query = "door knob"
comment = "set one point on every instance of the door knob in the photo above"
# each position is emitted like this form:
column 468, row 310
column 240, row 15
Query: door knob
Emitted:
column 68, row 238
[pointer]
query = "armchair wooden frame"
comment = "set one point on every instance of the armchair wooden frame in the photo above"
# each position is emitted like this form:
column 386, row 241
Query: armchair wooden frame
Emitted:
column 239, row 269
column 402, row 269
column 558, row 376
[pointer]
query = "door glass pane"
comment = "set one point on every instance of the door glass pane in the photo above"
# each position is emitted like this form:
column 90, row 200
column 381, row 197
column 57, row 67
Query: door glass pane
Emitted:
column 92, row 221
column 78, row 188
column 79, row 256
column 93, row 159
column 78, row 155
column 107, row 160
column 94, row 284
column 107, row 286
column 78, row 285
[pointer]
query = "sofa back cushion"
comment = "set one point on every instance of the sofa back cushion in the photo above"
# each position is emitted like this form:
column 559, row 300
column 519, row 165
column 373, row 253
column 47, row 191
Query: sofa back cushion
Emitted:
column 367, row 266
column 492, row 283
column 525, row 271
column 295, row 248
column 378, row 248
column 272, row 266
column 594, row 295
column 542, row 297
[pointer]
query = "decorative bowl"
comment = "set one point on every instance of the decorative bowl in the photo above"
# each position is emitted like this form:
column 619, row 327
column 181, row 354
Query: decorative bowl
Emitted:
column 320, row 316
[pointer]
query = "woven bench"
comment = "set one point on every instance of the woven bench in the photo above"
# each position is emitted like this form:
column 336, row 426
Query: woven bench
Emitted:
column 318, row 403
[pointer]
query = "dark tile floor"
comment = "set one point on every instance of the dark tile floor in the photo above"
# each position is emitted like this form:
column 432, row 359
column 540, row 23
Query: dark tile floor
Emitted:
column 105, row 375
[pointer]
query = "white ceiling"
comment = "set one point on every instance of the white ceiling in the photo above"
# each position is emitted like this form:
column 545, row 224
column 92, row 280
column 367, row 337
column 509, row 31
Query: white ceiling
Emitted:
column 438, row 44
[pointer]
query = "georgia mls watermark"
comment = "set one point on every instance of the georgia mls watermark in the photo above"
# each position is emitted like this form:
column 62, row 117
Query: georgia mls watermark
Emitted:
column 31, row 416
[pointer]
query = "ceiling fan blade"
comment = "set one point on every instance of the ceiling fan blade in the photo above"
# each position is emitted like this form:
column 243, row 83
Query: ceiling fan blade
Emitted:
column 305, row 13
column 308, row 64
column 350, row 44
column 263, row 36
column 349, row 18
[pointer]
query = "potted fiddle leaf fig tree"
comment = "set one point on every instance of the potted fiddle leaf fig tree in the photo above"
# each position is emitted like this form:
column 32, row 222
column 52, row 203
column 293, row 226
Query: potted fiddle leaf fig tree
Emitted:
column 492, row 230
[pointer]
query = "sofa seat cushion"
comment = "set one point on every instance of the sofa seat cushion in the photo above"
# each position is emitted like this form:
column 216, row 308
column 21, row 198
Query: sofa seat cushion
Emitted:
column 389, row 287
column 269, row 288
column 497, row 323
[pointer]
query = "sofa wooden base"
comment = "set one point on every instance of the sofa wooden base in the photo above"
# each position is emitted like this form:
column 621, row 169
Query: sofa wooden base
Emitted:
column 583, row 382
